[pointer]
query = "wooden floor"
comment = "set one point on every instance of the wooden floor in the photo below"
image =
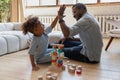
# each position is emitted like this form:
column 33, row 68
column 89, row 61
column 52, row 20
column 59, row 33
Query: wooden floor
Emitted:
column 16, row 66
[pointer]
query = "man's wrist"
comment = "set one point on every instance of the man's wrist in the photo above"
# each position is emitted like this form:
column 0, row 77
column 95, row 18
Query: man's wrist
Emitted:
column 61, row 20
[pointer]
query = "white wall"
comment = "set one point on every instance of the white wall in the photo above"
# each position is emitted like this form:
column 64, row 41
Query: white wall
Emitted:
column 108, row 9
column 105, row 9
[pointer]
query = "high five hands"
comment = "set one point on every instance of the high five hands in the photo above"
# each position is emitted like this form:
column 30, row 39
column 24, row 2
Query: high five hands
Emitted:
column 61, row 11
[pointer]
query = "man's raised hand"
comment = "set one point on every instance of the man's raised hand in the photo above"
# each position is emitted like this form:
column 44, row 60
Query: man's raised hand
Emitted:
column 61, row 11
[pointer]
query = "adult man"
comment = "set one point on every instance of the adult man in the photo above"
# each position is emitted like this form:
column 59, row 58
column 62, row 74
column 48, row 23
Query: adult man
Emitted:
column 89, row 48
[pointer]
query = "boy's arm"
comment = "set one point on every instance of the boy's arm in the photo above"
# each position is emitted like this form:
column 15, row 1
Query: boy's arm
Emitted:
column 54, row 22
column 34, row 66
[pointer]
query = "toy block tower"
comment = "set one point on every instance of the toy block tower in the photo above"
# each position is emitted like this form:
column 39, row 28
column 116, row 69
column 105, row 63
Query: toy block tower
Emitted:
column 57, row 57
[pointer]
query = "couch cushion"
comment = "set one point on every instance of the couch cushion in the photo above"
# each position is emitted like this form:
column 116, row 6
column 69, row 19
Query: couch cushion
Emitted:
column 115, row 31
column 12, row 43
column 22, row 38
column 3, row 48
column 6, row 26
column 55, row 36
column 11, row 32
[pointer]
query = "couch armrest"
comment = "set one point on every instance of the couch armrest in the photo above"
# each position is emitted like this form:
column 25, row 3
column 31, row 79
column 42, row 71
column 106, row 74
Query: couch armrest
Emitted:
column 17, row 26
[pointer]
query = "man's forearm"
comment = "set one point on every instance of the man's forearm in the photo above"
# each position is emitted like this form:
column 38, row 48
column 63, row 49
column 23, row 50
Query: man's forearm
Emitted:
column 64, row 28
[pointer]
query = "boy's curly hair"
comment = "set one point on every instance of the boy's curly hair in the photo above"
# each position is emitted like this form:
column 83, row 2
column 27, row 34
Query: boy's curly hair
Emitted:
column 29, row 25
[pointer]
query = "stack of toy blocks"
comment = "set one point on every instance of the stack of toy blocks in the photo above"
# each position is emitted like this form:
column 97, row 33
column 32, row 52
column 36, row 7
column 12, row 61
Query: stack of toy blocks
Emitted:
column 57, row 57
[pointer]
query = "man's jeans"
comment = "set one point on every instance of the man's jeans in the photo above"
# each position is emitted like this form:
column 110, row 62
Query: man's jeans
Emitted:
column 72, row 50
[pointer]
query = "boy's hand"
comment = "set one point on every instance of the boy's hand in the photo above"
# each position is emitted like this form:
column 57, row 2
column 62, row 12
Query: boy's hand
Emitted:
column 35, row 68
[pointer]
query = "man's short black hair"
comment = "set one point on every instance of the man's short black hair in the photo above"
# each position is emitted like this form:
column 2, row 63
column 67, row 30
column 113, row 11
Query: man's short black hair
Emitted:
column 80, row 6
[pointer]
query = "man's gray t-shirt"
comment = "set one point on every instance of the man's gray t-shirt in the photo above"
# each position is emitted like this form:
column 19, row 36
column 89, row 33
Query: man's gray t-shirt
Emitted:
column 89, row 32
column 39, row 47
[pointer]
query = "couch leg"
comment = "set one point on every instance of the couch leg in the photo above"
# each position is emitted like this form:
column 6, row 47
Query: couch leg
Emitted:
column 109, row 43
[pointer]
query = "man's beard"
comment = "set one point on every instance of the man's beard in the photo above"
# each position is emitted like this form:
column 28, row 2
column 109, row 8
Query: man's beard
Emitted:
column 78, row 17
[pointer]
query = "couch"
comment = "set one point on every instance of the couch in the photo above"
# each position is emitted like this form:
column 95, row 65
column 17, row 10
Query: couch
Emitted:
column 12, row 39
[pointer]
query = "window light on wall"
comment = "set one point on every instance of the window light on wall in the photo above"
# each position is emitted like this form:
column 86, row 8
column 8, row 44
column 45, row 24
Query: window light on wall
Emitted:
column 110, row 1
column 47, row 2
column 60, row 2
column 67, row 2
column 87, row 1
column 32, row 3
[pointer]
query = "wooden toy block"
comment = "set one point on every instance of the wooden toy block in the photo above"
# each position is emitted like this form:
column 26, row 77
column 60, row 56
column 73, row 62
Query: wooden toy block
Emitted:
column 49, row 78
column 54, row 76
column 68, row 62
column 48, row 74
column 78, row 72
column 71, row 70
column 73, row 66
column 40, row 78
column 79, row 67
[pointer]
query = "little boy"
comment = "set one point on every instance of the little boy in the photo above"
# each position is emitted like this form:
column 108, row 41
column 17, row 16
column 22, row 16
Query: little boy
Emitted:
column 38, row 52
